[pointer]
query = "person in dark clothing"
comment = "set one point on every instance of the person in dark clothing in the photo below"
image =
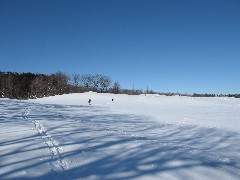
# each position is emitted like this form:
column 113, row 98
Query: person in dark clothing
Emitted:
column 89, row 101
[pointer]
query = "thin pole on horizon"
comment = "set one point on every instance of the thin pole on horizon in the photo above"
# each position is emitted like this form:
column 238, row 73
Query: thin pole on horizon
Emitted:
column 133, row 81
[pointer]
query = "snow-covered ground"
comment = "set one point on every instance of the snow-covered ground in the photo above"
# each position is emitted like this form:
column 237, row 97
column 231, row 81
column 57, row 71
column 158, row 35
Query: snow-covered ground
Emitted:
column 132, row 137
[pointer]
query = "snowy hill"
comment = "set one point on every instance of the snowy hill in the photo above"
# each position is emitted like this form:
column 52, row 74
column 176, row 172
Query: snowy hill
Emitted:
column 132, row 137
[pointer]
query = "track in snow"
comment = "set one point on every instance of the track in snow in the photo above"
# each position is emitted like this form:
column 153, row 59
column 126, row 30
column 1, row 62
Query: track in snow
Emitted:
column 141, row 138
column 58, row 163
column 207, row 157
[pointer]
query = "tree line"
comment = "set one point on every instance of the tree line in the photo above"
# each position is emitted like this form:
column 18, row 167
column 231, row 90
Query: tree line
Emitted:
column 96, row 83
column 30, row 85
column 216, row 95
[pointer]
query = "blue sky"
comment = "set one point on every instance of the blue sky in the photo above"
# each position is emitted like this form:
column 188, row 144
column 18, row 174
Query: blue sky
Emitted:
column 181, row 46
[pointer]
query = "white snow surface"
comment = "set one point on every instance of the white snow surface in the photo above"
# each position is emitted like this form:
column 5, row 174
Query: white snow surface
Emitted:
column 132, row 137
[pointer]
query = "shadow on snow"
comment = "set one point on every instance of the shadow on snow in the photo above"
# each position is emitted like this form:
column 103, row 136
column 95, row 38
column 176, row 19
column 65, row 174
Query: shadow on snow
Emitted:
column 100, row 145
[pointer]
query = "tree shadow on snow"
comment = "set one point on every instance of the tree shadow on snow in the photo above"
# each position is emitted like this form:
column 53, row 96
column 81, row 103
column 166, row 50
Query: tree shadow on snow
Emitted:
column 100, row 145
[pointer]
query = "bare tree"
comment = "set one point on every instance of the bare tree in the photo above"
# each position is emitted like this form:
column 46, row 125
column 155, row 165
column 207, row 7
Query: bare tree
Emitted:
column 105, row 83
column 58, row 83
column 2, row 84
column 8, row 85
column 38, row 87
column 87, row 81
column 76, row 80
column 96, row 82
column 116, row 88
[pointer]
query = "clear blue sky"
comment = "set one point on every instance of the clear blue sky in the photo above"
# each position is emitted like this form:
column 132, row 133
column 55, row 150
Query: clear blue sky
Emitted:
column 182, row 46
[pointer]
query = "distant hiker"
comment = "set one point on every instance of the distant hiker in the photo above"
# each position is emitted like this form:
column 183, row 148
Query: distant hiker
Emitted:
column 112, row 99
column 89, row 101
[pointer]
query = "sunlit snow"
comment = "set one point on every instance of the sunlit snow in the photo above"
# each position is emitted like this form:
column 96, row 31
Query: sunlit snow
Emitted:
column 132, row 137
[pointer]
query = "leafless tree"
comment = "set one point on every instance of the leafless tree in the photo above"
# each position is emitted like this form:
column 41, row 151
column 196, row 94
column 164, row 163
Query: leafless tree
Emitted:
column 76, row 80
column 105, row 83
column 116, row 88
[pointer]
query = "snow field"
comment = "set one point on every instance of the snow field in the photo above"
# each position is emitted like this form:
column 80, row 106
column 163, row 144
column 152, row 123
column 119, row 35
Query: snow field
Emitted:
column 134, row 137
